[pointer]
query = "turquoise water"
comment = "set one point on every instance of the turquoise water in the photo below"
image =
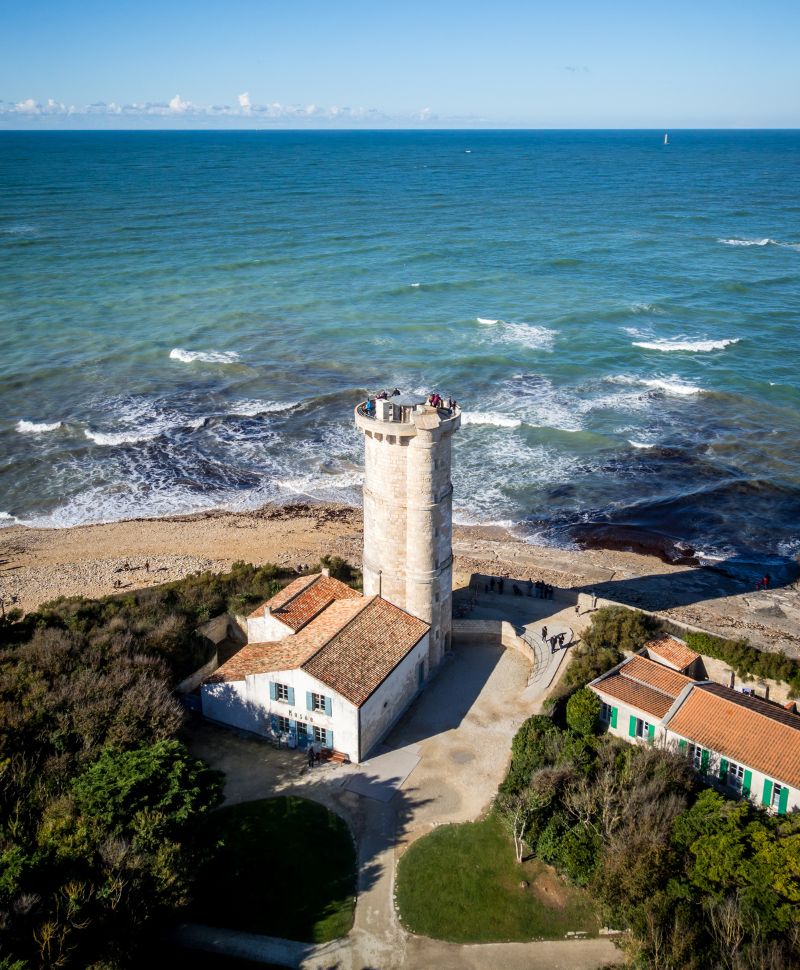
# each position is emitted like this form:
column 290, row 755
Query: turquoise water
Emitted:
column 187, row 320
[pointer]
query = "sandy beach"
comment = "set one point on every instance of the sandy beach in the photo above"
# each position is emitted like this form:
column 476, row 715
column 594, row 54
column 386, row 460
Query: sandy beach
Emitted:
column 37, row 565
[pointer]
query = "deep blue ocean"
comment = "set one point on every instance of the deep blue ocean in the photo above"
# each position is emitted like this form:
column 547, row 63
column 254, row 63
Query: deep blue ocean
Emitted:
column 188, row 318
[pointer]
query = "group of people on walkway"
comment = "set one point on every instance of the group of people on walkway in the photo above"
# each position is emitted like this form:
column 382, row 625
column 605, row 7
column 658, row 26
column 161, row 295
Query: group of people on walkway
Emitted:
column 543, row 590
column 556, row 641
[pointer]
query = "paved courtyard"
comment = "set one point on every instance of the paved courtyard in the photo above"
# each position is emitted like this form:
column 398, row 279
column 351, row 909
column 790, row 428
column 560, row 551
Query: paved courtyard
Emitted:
column 442, row 763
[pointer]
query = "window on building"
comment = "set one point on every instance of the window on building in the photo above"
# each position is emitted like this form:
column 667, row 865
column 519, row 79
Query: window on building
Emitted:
column 735, row 777
column 777, row 791
column 642, row 728
column 318, row 702
column 696, row 755
column 605, row 711
column 281, row 693
column 321, row 735
column 283, row 724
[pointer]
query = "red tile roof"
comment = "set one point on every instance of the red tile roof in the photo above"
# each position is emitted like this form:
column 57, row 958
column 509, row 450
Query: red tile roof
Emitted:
column 655, row 675
column 645, row 685
column 636, row 695
column 358, row 659
column 747, row 730
column 304, row 598
column 352, row 646
column 672, row 651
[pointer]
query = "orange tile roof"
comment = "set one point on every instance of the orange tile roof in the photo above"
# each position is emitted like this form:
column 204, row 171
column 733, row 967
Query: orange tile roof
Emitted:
column 636, row 695
column 673, row 650
column 747, row 730
column 352, row 646
column 304, row 598
column 359, row 658
column 655, row 675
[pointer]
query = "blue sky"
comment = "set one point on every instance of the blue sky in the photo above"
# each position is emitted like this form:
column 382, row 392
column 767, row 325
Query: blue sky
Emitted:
column 295, row 63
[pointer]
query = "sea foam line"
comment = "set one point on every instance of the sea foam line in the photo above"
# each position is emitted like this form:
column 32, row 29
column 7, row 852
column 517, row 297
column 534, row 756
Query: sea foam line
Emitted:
column 490, row 417
column 669, row 385
column 36, row 427
column 758, row 242
column 693, row 346
column 206, row 357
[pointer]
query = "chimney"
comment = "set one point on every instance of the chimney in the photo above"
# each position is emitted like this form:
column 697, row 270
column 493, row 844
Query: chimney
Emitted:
column 325, row 571
column 733, row 680
column 766, row 692
column 267, row 611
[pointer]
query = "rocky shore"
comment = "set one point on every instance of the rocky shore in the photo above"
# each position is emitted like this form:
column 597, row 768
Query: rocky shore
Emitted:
column 37, row 565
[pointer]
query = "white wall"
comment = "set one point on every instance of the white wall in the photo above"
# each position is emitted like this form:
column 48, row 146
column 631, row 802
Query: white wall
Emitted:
column 386, row 704
column 266, row 629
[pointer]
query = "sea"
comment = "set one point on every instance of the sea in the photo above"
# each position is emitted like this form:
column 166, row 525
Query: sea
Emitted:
column 187, row 320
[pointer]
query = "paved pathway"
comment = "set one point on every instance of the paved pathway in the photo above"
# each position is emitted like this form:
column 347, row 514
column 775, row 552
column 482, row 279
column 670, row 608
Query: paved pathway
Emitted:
column 457, row 729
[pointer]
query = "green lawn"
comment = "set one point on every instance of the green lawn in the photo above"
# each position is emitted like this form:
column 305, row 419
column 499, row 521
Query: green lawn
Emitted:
column 462, row 883
column 280, row 866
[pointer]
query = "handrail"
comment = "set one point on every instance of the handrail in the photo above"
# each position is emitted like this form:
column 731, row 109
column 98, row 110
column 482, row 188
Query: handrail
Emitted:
column 444, row 413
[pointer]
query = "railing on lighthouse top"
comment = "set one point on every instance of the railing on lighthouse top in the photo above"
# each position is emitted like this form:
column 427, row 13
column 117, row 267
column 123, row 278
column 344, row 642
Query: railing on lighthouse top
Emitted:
column 401, row 409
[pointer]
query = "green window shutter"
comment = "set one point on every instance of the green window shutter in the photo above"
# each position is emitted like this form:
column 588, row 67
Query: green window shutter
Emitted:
column 747, row 783
column 273, row 690
column 723, row 769
column 704, row 762
column 309, row 701
column 328, row 706
column 651, row 732
column 682, row 745
column 329, row 739
column 632, row 727
column 290, row 699
column 767, row 796
column 614, row 712
column 784, row 801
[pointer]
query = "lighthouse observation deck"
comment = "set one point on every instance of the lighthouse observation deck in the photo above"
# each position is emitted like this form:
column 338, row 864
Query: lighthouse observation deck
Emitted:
column 405, row 415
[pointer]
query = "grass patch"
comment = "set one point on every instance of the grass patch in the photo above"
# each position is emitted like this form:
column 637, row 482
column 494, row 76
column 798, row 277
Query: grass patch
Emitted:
column 462, row 883
column 279, row 866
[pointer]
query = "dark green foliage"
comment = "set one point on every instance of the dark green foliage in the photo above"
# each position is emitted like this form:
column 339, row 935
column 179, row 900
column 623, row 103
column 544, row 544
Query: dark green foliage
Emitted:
column 342, row 570
column 281, row 866
column 620, row 628
column 529, row 751
column 583, row 711
column 158, row 779
column 700, row 882
column 746, row 660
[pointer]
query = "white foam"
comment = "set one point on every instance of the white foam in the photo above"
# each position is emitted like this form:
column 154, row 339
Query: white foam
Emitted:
column 121, row 437
column 637, row 308
column 693, row 346
column 489, row 417
column 758, row 242
column 36, row 427
column 529, row 335
column 487, row 321
column 639, row 444
column 414, row 286
column 7, row 515
column 669, row 385
column 206, row 357
column 251, row 408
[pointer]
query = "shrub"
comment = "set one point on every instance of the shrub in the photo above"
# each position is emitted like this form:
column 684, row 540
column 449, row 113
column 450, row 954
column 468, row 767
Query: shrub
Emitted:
column 529, row 751
column 747, row 660
column 583, row 711
column 620, row 628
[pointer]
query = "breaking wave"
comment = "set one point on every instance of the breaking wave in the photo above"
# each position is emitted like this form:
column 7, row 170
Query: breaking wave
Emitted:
column 758, row 242
column 489, row 417
column 668, row 385
column 36, row 427
column 693, row 346
column 487, row 321
column 250, row 409
column 206, row 357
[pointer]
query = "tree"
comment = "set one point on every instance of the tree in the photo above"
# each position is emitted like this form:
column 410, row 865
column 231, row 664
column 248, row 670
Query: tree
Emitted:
column 583, row 711
column 516, row 809
column 620, row 628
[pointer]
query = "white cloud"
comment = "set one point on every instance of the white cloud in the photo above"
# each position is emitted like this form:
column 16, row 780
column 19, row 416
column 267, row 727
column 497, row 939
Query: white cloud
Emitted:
column 244, row 102
column 177, row 105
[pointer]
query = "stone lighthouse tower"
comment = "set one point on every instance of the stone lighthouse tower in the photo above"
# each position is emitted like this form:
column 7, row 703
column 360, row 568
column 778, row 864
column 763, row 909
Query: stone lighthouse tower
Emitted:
column 408, row 509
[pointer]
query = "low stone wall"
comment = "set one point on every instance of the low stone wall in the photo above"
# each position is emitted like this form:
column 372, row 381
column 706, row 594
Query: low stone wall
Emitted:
column 500, row 632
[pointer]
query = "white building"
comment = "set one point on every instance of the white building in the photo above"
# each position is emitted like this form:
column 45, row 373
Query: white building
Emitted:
column 742, row 745
column 324, row 663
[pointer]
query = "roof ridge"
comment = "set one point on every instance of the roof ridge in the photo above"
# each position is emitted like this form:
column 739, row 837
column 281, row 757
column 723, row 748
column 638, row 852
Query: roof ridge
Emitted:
column 314, row 578
column 643, row 683
column 754, row 710
column 364, row 601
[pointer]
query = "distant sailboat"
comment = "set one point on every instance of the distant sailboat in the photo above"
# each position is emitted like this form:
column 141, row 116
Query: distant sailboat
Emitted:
column 666, row 138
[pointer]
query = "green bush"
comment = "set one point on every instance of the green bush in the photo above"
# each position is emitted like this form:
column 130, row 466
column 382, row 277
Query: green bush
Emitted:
column 620, row 628
column 746, row 660
column 583, row 711
column 529, row 751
